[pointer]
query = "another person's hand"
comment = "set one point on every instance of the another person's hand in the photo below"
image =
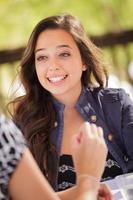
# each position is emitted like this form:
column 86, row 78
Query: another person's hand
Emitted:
column 89, row 155
column 89, row 151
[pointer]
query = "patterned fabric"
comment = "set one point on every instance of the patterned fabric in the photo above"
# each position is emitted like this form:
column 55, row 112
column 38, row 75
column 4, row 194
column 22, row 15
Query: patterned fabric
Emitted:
column 12, row 145
column 112, row 168
column 67, row 173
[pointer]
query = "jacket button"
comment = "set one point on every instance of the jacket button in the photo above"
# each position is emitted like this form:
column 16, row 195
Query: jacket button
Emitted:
column 55, row 124
column 93, row 118
column 110, row 137
column 126, row 158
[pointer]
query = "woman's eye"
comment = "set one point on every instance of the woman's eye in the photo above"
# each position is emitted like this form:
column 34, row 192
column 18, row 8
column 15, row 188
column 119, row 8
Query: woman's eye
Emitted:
column 65, row 54
column 41, row 58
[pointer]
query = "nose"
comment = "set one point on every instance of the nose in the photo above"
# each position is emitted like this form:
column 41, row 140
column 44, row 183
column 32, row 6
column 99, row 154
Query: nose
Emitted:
column 51, row 68
column 54, row 66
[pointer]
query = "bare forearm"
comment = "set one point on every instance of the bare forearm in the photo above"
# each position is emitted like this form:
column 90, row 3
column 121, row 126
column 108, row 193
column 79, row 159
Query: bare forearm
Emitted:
column 28, row 183
column 86, row 189
column 68, row 194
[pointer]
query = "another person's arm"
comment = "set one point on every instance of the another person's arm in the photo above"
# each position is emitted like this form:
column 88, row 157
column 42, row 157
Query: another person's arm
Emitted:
column 20, row 176
column 27, row 181
column 89, row 153
column 24, row 179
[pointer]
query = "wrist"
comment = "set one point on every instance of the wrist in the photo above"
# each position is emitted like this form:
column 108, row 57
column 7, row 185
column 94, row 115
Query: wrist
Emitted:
column 88, row 179
column 87, row 186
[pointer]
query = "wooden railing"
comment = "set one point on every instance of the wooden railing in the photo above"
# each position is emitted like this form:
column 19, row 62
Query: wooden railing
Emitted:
column 106, row 40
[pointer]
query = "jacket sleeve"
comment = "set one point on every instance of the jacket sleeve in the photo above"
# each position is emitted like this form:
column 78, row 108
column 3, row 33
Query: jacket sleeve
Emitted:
column 127, row 122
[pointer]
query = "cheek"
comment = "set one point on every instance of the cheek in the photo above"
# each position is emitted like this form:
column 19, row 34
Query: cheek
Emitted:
column 78, row 68
column 40, row 70
column 40, row 74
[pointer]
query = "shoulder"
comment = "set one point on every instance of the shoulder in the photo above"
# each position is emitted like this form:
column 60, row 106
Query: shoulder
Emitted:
column 113, row 94
column 12, row 146
column 110, row 94
column 112, row 91
column 10, row 135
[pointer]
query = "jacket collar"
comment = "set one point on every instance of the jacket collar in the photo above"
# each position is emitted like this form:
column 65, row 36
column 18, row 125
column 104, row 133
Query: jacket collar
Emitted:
column 82, row 101
column 84, row 104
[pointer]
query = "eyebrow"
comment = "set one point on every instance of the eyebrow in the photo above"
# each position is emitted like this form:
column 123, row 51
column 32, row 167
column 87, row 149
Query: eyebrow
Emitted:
column 59, row 46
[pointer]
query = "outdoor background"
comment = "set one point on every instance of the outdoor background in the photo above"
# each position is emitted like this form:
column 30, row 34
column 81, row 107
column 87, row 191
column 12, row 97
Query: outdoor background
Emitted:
column 108, row 22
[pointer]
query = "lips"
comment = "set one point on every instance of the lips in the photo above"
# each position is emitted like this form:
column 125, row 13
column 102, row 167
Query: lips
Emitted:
column 56, row 79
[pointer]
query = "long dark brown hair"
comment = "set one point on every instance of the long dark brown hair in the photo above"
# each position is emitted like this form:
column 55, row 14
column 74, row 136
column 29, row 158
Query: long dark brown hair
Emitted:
column 34, row 112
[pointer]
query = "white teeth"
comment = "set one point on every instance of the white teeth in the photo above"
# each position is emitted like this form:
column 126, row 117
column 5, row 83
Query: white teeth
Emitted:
column 56, row 79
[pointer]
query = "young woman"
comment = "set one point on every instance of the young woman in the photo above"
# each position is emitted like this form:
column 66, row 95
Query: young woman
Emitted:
column 65, row 85
column 21, row 179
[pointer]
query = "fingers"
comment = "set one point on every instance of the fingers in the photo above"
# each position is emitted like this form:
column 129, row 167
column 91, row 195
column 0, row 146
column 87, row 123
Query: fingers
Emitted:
column 100, row 131
column 92, row 131
column 96, row 130
column 105, row 192
column 89, row 133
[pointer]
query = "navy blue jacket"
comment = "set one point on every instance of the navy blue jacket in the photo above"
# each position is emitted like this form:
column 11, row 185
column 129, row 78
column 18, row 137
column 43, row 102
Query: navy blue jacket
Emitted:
column 109, row 108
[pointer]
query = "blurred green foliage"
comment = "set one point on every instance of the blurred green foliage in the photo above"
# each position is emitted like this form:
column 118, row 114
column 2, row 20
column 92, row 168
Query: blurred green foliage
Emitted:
column 18, row 17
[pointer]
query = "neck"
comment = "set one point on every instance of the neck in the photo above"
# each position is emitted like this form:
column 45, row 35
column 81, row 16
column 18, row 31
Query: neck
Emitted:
column 69, row 100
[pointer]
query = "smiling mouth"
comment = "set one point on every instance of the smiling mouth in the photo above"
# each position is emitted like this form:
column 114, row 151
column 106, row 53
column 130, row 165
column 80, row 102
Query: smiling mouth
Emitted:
column 57, row 79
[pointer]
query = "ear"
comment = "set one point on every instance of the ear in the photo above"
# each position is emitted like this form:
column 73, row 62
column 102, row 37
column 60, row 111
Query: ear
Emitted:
column 84, row 67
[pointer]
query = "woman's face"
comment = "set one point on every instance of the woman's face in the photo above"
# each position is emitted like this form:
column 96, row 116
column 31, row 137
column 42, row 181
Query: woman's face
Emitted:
column 58, row 62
